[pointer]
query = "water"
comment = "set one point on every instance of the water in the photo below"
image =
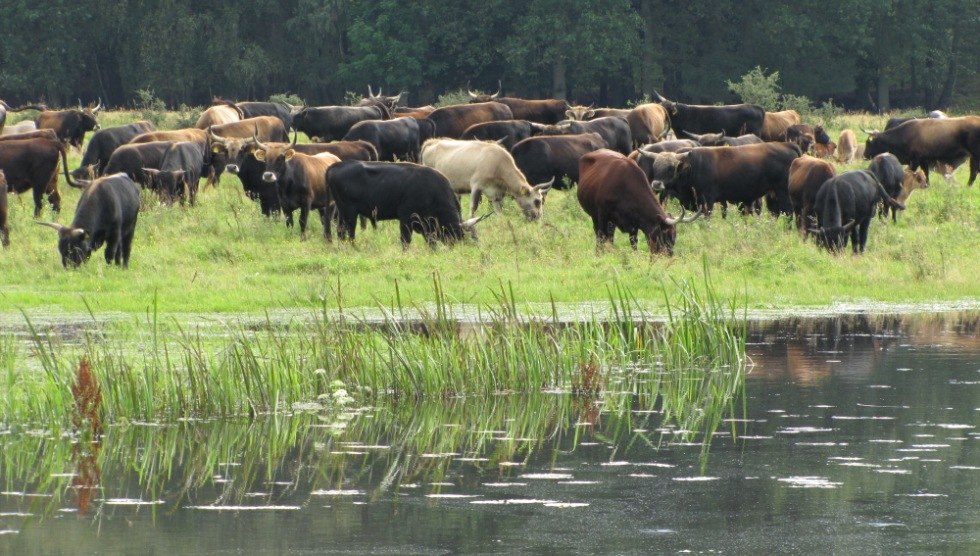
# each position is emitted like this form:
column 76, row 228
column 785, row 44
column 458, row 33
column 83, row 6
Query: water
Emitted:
column 859, row 435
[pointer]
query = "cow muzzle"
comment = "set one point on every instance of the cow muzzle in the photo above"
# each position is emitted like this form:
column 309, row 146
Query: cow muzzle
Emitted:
column 233, row 169
column 269, row 177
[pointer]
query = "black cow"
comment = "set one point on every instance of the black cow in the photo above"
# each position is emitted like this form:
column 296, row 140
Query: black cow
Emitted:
column 103, row 143
column 131, row 159
column 889, row 172
column 545, row 157
column 508, row 133
column 845, row 205
column 399, row 138
column 106, row 213
column 735, row 119
column 420, row 198
column 614, row 131
column 722, row 140
column 4, row 230
column 179, row 173
column 331, row 123
column 708, row 175
column 70, row 125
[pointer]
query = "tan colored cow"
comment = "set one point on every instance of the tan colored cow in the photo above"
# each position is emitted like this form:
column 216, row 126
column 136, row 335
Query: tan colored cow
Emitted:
column 847, row 147
column 910, row 182
column 775, row 124
column 223, row 112
column 484, row 168
column 648, row 123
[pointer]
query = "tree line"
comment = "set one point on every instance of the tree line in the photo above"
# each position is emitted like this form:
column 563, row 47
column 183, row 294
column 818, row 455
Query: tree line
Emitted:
column 868, row 54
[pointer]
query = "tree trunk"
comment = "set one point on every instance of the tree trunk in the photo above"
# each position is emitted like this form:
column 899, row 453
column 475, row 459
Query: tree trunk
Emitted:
column 946, row 96
column 883, row 100
column 648, row 49
column 558, row 84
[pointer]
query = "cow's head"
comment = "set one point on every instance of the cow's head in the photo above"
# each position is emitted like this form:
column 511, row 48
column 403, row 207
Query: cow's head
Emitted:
column 913, row 180
column 232, row 149
column 708, row 139
column 275, row 158
column 671, row 106
column 531, row 199
column 482, row 97
column 169, row 184
column 580, row 113
column 74, row 244
column 662, row 237
column 379, row 99
column 86, row 172
column 833, row 238
column 88, row 115
column 873, row 147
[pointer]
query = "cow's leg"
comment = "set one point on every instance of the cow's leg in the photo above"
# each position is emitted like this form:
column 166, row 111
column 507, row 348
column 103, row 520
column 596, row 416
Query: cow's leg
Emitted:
column 304, row 216
column 633, row 239
column 38, row 201
column 498, row 202
column 326, row 215
column 112, row 246
column 127, row 246
column 289, row 219
column 405, row 227
column 54, row 197
column 476, row 195
column 974, row 169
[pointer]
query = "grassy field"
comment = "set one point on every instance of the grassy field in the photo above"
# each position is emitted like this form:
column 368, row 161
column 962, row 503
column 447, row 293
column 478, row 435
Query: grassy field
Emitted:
column 223, row 256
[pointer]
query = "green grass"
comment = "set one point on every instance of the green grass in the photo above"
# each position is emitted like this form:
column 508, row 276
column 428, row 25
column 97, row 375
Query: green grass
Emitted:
column 224, row 257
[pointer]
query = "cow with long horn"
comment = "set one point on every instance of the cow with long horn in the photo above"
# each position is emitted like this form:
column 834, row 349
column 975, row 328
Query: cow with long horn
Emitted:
column 547, row 111
column 106, row 214
column 734, row 119
column 70, row 125
column 615, row 193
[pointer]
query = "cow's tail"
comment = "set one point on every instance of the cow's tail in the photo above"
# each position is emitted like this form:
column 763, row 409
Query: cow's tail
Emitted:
column 64, row 167
column 883, row 195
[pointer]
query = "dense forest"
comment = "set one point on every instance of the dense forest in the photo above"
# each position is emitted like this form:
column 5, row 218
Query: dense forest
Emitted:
column 864, row 54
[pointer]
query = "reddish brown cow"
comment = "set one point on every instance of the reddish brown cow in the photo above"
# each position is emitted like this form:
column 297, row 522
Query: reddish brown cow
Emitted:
column 39, row 134
column 70, row 125
column 452, row 121
column 806, row 175
column 615, row 192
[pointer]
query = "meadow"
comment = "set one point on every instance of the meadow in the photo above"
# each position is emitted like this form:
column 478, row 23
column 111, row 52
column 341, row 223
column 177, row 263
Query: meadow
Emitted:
column 223, row 256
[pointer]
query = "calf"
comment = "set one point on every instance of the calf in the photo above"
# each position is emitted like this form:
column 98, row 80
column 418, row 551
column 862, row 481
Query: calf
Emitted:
column 419, row 197
column 103, row 143
column 179, row 173
column 802, row 135
column 479, row 168
column 544, row 158
column 844, row 207
column 133, row 158
column 106, row 213
column 25, row 126
column 4, row 230
column 910, row 182
column 301, row 181
column 615, row 193
column 806, row 175
column 847, row 147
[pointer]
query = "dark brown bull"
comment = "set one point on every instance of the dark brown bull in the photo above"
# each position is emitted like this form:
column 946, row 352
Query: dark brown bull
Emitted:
column 776, row 124
column 70, row 125
column 806, row 175
column 452, row 121
column 615, row 192
column 32, row 164
column 302, row 183
column 925, row 142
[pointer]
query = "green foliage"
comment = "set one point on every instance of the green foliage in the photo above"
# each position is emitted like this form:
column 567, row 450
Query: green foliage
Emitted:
column 449, row 98
column 150, row 107
column 351, row 98
column 288, row 98
column 755, row 87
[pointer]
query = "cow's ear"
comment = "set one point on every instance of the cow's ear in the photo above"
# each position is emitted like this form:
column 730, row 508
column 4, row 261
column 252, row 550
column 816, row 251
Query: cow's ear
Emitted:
column 216, row 148
column 289, row 153
column 259, row 154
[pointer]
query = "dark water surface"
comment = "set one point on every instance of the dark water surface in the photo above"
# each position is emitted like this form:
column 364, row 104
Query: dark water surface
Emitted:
column 859, row 436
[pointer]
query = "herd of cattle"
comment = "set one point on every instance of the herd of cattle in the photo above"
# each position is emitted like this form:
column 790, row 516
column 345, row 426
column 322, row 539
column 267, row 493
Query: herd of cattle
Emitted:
column 624, row 162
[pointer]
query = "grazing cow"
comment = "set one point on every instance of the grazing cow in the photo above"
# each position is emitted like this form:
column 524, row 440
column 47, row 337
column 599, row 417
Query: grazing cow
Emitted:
column 548, row 112
column 398, row 138
column 775, row 124
column 103, row 143
column 802, row 135
column 32, row 164
column 615, row 193
column 223, row 112
column 106, row 213
column 4, row 108
column 889, row 172
column 331, row 123
column 508, row 133
column 675, row 146
column 735, row 119
column 544, row 158
column 131, row 159
column 70, row 125
column 844, row 207
column 660, row 168
column 480, row 168
column 722, row 140
column 613, row 130
column 301, row 183
column 847, row 147
column 910, row 182
column 452, row 121
column 420, row 198
column 736, row 175
column 806, row 175
column 4, row 230
column 648, row 123
column 824, row 150
column 925, row 142
column 179, row 172
column 25, row 126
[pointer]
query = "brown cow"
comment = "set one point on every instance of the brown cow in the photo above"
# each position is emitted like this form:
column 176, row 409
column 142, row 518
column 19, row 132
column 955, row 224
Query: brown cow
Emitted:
column 223, row 112
column 33, row 164
column 615, row 192
column 925, row 142
column 39, row 134
column 4, row 231
column 824, row 150
column 548, row 111
column 648, row 123
column 70, row 125
column 775, row 124
column 802, row 135
column 847, row 147
column 302, row 183
column 806, row 175
column 228, row 141
column 452, row 121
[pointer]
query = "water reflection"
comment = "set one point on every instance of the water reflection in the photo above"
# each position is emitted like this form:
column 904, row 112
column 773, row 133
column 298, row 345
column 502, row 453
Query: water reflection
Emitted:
column 858, row 434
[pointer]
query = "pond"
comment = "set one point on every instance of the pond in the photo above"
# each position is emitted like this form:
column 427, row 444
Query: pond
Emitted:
column 858, row 434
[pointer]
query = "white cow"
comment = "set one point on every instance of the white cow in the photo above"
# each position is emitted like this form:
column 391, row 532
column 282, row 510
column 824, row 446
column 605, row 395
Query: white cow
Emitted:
column 25, row 126
column 484, row 168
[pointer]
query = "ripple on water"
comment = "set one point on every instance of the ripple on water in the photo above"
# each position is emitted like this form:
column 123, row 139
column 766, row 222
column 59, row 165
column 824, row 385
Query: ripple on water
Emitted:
column 337, row 492
column 244, row 508
column 130, row 502
column 548, row 476
column 809, row 482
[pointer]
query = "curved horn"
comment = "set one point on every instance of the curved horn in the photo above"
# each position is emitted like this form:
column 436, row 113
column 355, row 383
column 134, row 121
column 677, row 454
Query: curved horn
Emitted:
column 98, row 106
column 849, row 225
column 673, row 221
column 370, row 93
column 397, row 97
column 545, row 186
column 54, row 225
column 469, row 224
column 658, row 96
column 500, row 87
column 692, row 136
column 80, row 107
column 214, row 138
column 262, row 145
column 472, row 94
